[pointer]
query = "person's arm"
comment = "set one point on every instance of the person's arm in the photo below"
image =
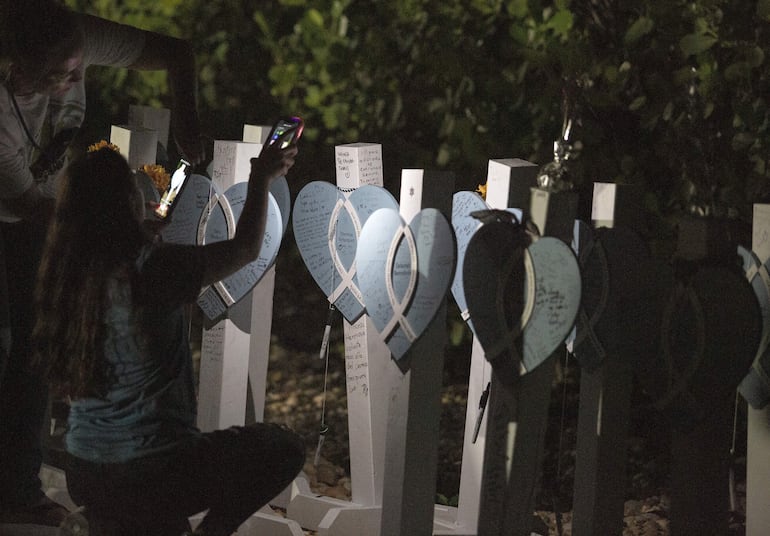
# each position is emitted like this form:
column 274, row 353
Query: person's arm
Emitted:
column 175, row 56
column 110, row 43
column 175, row 273
column 223, row 258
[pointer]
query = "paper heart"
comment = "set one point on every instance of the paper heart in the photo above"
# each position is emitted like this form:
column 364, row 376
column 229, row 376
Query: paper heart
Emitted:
column 708, row 343
column 279, row 188
column 520, row 297
column 220, row 225
column 464, row 226
column 404, row 272
column 194, row 199
column 327, row 225
column 614, row 307
column 755, row 387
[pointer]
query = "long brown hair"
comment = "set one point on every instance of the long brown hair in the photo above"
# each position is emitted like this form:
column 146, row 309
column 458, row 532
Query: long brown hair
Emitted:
column 95, row 232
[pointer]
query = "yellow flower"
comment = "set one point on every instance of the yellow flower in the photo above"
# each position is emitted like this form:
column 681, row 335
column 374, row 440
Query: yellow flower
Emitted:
column 158, row 174
column 482, row 189
column 101, row 145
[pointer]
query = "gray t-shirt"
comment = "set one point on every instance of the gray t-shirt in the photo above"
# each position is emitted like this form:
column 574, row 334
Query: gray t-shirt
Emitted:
column 53, row 120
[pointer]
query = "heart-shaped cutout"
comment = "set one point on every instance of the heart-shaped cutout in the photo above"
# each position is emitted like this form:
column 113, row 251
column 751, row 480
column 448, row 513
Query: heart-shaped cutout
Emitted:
column 194, row 199
column 220, row 225
column 327, row 225
column 404, row 272
column 614, row 305
column 464, row 203
column 520, row 297
column 755, row 387
column 701, row 360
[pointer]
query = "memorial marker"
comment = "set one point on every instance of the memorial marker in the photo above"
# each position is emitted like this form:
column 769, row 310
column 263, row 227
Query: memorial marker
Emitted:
column 235, row 350
column 409, row 484
column 616, row 326
column 518, row 404
column 358, row 193
column 758, row 426
column 508, row 185
column 138, row 145
column 153, row 118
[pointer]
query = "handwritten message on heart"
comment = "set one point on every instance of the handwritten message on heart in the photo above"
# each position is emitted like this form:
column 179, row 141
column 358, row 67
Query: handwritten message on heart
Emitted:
column 194, row 199
column 520, row 297
column 221, row 226
column 404, row 272
column 327, row 225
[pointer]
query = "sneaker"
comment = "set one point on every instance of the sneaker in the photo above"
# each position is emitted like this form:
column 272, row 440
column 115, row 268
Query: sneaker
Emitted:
column 45, row 513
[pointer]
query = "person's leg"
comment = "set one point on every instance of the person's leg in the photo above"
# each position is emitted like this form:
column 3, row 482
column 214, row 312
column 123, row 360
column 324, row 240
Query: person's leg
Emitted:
column 235, row 472
column 23, row 395
column 127, row 499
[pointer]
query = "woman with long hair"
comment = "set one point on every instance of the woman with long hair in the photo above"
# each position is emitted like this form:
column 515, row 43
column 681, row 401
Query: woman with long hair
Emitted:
column 111, row 336
column 46, row 51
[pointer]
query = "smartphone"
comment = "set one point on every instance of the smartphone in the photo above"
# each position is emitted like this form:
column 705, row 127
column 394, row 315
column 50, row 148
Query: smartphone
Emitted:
column 291, row 126
column 171, row 195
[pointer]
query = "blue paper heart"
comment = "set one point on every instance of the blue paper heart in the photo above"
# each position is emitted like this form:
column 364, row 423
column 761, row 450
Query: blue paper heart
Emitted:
column 520, row 298
column 221, row 226
column 327, row 224
column 404, row 272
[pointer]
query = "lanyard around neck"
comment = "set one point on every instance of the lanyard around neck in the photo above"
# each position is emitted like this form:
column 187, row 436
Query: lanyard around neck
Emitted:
column 9, row 88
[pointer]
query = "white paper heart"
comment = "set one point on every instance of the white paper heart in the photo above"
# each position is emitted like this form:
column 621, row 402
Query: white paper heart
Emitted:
column 531, row 294
column 404, row 272
column 221, row 226
column 327, row 225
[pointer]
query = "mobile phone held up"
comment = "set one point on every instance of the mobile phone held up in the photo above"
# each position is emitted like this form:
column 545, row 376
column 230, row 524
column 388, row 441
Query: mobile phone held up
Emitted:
column 170, row 197
column 288, row 127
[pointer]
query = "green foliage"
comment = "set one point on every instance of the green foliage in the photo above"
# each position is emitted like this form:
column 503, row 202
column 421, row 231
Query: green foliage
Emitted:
column 670, row 94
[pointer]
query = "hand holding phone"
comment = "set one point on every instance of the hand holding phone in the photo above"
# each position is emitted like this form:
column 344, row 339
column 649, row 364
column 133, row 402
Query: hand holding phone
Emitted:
column 170, row 197
column 287, row 129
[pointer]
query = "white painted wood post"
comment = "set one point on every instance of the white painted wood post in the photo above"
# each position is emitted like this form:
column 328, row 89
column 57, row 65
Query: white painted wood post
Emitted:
column 138, row 145
column 366, row 354
column 415, row 393
column 508, row 185
column 518, row 414
column 758, row 440
column 261, row 319
column 235, row 350
column 225, row 346
column 605, row 400
column 366, row 359
column 151, row 117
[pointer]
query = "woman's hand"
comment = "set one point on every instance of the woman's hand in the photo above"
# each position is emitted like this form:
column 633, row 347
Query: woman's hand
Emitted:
column 272, row 162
